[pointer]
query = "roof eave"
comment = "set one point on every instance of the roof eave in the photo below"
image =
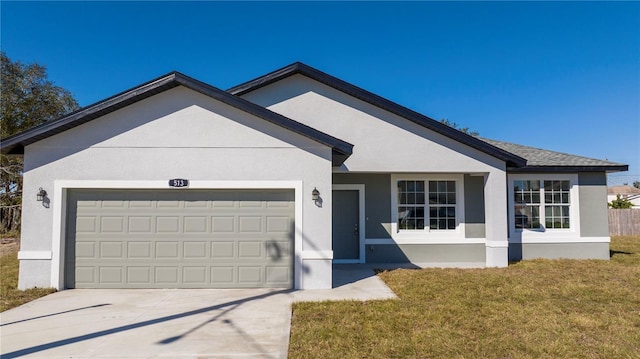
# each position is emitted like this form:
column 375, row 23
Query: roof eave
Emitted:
column 567, row 169
column 14, row 145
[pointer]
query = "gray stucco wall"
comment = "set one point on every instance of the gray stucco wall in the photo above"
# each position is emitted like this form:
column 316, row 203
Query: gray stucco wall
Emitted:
column 474, row 206
column 461, row 254
column 377, row 201
column 178, row 133
column 519, row 251
column 594, row 218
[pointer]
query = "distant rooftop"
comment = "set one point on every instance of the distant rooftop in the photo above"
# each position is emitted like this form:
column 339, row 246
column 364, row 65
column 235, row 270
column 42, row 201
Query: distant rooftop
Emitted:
column 623, row 190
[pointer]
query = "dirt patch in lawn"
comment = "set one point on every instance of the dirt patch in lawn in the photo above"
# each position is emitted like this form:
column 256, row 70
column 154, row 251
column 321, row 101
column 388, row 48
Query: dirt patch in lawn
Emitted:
column 9, row 245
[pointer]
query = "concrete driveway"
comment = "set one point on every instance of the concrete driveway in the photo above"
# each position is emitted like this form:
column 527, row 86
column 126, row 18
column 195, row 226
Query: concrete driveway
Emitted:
column 171, row 323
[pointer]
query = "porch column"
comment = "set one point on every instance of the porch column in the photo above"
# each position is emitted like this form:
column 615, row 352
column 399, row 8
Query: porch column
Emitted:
column 496, row 223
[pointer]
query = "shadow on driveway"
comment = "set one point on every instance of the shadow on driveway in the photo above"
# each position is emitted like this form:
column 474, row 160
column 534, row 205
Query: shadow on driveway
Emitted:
column 108, row 342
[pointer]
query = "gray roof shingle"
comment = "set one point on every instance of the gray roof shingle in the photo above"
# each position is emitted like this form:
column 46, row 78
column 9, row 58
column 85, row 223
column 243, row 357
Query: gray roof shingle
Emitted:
column 538, row 158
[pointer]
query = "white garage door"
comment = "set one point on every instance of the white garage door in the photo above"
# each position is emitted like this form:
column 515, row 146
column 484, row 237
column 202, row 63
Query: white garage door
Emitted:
column 179, row 239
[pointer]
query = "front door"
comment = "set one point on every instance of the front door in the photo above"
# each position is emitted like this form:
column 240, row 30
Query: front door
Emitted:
column 346, row 228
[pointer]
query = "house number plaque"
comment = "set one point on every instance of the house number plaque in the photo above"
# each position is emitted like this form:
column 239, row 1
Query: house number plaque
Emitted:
column 178, row 182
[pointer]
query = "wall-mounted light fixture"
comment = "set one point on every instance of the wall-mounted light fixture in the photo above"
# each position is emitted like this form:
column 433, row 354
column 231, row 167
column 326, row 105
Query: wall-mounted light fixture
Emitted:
column 41, row 194
column 315, row 194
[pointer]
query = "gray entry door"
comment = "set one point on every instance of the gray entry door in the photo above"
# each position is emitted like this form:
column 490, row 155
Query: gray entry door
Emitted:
column 179, row 239
column 345, row 231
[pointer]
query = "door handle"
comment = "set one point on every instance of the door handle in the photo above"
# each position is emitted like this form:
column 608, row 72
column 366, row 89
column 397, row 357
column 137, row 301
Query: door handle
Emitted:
column 356, row 229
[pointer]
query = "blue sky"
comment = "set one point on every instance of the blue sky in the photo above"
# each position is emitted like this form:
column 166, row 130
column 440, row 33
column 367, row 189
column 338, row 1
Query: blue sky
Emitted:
column 563, row 76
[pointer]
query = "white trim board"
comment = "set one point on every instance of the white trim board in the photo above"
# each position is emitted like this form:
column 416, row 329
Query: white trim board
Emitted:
column 35, row 255
column 59, row 213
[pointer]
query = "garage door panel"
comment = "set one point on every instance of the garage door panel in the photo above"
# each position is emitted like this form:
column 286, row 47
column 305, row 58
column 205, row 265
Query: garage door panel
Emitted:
column 249, row 274
column 190, row 239
column 166, row 224
column 139, row 275
column 140, row 224
column 223, row 249
column 196, row 250
column 278, row 274
column 249, row 224
column 222, row 275
column 139, row 250
column 195, row 224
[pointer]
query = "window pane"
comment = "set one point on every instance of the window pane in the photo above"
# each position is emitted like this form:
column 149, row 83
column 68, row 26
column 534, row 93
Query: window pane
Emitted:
column 451, row 224
column 411, row 205
column 411, row 186
column 527, row 217
column 442, row 224
column 442, row 200
column 402, row 186
column 527, row 191
column 535, row 197
column 557, row 216
column 451, row 186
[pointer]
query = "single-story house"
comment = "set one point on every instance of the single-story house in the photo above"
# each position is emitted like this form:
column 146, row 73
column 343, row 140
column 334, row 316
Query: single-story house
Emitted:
column 178, row 184
column 632, row 194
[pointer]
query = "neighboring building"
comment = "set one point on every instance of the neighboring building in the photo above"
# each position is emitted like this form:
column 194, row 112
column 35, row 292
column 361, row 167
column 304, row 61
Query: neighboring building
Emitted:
column 628, row 192
column 283, row 176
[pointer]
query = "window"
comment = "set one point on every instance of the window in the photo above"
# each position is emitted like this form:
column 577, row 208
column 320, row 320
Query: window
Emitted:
column 533, row 198
column 412, row 205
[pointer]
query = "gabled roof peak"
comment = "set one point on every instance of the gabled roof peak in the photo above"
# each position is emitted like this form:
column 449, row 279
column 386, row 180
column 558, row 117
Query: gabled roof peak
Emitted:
column 511, row 159
column 15, row 144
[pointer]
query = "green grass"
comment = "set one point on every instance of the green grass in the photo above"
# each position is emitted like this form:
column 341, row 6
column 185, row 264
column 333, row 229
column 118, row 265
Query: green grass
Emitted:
column 532, row 309
column 10, row 296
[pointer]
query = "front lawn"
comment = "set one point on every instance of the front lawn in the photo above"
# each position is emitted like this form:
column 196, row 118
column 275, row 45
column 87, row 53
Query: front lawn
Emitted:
column 532, row 309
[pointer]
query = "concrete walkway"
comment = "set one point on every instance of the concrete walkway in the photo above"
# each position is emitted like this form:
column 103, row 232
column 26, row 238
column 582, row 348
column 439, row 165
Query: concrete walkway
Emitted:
column 170, row 323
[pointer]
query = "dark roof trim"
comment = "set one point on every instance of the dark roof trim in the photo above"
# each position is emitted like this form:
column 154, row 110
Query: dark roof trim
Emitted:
column 371, row 98
column 568, row 169
column 15, row 144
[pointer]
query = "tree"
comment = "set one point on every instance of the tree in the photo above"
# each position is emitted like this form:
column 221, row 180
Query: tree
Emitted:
column 636, row 184
column 620, row 203
column 27, row 99
column 461, row 129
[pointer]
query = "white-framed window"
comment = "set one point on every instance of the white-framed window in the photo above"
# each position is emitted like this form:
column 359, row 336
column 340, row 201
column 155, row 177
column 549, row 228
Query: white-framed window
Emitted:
column 424, row 205
column 541, row 203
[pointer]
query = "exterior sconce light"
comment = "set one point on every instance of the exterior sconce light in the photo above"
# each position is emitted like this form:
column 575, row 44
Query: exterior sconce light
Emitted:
column 41, row 194
column 315, row 194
